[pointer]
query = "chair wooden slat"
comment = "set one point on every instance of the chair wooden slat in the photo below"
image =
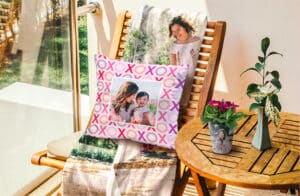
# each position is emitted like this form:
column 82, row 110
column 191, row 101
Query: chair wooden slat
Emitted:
column 205, row 50
column 211, row 25
column 127, row 23
column 196, row 89
column 128, row 15
column 209, row 34
column 200, row 73
column 198, row 81
column 122, row 45
column 202, row 66
column 207, row 41
column 125, row 31
column 203, row 58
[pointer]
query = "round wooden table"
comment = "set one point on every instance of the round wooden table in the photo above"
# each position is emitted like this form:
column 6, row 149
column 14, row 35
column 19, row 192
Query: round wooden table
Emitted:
column 244, row 166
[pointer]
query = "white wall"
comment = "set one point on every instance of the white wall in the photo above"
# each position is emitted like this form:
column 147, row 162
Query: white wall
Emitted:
column 247, row 23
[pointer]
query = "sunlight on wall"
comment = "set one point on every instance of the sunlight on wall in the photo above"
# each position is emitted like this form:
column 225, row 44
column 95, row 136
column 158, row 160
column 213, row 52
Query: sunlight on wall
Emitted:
column 221, row 83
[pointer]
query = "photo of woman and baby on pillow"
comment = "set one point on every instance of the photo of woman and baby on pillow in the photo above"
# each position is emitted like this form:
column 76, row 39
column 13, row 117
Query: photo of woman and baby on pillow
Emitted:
column 133, row 106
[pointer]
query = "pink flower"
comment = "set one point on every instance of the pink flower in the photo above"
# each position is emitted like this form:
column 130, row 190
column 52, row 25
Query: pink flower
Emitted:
column 223, row 106
column 214, row 103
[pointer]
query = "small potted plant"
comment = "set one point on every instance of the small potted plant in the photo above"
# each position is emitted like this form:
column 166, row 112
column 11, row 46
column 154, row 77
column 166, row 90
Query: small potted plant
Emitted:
column 222, row 118
column 265, row 96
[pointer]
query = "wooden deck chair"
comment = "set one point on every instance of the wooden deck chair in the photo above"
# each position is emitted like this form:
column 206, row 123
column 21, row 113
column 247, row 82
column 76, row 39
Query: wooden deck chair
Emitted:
column 202, row 91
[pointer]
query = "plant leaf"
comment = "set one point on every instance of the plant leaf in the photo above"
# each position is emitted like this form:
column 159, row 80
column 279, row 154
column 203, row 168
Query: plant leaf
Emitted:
column 231, row 124
column 275, row 101
column 229, row 113
column 276, row 83
column 252, row 88
column 275, row 74
column 240, row 115
column 254, row 106
column 261, row 59
column 265, row 43
column 251, row 68
column 273, row 52
column 259, row 66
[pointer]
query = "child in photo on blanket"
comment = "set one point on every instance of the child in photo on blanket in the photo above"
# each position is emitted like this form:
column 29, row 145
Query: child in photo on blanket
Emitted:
column 142, row 113
column 123, row 104
column 186, row 45
column 184, row 50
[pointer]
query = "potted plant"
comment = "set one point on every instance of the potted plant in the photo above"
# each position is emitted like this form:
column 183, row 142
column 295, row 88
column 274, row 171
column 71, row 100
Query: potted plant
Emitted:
column 222, row 118
column 265, row 96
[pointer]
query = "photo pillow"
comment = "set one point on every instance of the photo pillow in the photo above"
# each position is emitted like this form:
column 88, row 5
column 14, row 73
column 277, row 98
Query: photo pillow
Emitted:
column 135, row 101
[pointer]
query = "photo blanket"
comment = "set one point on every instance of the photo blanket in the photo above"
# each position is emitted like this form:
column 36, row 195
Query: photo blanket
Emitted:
column 118, row 167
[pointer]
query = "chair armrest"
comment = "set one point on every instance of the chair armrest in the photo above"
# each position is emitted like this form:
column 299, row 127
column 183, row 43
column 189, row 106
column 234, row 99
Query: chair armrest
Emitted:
column 42, row 158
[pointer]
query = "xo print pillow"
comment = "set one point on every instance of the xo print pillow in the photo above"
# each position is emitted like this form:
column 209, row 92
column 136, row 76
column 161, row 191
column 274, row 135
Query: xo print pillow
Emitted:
column 139, row 102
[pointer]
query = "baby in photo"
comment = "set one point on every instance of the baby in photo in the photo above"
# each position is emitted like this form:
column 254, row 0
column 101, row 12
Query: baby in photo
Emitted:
column 142, row 113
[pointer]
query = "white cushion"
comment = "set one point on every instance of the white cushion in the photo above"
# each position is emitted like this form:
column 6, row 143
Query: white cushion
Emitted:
column 61, row 148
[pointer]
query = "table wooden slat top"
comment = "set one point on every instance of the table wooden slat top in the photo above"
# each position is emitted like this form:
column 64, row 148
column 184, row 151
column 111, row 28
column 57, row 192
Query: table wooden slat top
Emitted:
column 278, row 167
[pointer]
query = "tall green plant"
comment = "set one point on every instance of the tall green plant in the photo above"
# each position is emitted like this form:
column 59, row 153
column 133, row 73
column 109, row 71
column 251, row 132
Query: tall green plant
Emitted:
column 265, row 92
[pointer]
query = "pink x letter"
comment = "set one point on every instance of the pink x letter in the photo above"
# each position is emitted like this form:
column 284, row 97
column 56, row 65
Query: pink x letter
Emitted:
column 166, row 93
column 121, row 133
column 95, row 118
column 175, row 106
column 98, row 97
column 173, row 128
column 150, row 70
column 107, row 86
column 162, row 115
column 162, row 138
column 110, row 65
column 102, row 130
column 100, row 75
column 105, row 106
column 180, row 83
column 141, row 135
column 172, row 71
column 130, row 66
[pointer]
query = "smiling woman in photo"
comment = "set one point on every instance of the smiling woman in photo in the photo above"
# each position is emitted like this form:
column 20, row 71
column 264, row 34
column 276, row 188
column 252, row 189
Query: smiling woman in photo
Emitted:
column 123, row 104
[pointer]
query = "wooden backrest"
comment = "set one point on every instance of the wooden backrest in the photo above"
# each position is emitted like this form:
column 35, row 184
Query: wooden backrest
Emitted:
column 4, row 18
column 8, row 15
column 207, row 67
